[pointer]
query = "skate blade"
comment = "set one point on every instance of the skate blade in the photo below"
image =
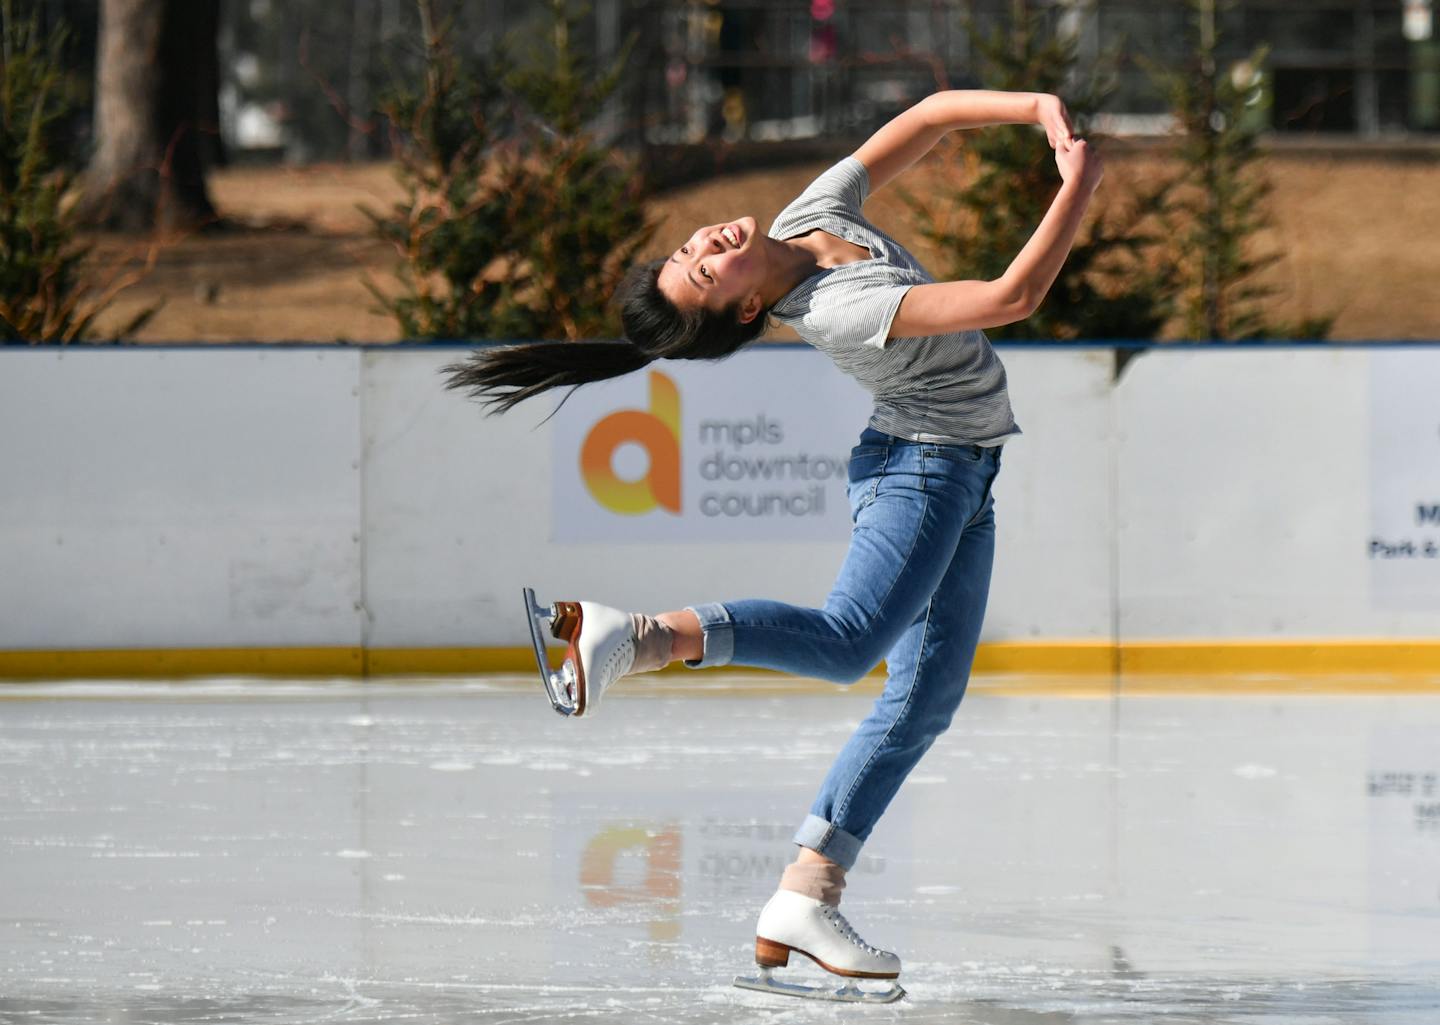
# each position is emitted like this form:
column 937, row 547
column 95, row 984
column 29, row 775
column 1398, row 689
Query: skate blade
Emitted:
column 561, row 685
column 846, row 993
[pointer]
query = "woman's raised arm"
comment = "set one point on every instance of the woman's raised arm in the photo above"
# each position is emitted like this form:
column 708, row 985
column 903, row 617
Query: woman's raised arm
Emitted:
column 950, row 306
column 910, row 135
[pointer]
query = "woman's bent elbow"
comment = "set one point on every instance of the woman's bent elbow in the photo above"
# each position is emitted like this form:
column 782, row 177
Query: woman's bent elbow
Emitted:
column 1023, row 309
column 1013, row 301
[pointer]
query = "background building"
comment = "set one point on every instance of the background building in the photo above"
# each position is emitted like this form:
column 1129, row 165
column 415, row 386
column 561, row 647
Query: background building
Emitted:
column 302, row 79
column 763, row 70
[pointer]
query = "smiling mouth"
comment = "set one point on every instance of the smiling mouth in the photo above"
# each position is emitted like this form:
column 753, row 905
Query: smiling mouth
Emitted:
column 731, row 235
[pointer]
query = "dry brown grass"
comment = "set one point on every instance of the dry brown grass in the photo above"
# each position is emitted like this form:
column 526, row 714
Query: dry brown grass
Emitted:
column 1359, row 236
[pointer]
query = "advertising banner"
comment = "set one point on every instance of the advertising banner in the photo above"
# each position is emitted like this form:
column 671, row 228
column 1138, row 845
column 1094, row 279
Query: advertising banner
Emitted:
column 754, row 448
column 1404, row 543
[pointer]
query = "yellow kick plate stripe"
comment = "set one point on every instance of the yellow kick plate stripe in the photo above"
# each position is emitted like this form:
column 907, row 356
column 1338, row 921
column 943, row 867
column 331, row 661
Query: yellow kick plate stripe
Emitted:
column 1359, row 665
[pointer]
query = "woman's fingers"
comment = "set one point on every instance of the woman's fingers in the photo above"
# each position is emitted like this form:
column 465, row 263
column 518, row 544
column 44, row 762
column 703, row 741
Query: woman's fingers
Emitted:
column 1079, row 161
column 1056, row 120
column 1074, row 158
column 1066, row 129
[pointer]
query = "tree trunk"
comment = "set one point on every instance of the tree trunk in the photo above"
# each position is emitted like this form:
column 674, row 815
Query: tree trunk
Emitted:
column 154, row 110
column 203, row 40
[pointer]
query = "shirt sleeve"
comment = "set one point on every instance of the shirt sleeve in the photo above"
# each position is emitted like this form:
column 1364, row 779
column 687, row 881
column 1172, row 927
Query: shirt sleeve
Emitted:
column 857, row 314
column 846, row 184
column 843, row 186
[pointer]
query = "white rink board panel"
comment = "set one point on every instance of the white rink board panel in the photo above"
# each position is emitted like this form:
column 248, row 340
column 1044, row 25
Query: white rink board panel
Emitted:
column 461, row 508
column 261, row 498
column 179, row 498
column 1246, row 491
column 1404, row 542
column 1053, row 500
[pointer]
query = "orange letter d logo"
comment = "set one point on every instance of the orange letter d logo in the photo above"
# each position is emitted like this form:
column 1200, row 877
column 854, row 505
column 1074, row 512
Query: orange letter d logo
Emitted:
column 658, row 432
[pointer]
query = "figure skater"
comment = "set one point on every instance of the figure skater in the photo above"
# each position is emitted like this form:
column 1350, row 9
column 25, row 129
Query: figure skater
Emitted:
column 913, row 585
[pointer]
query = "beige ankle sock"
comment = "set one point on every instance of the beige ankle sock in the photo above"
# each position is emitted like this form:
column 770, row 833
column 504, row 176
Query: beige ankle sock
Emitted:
column 653, row 642
column 820, row 881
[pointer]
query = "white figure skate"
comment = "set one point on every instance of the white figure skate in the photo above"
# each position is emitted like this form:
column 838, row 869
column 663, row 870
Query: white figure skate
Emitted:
column 795, row 923
column 601, row 650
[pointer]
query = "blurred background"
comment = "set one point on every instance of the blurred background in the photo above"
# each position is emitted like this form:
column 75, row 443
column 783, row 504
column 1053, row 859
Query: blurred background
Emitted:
column 286, row 151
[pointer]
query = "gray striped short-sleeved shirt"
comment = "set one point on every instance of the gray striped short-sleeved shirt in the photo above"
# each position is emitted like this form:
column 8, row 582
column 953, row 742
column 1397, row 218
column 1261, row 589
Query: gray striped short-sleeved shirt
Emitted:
column 948, row 388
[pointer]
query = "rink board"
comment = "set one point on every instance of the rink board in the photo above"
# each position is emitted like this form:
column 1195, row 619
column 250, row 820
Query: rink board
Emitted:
column 335, row 511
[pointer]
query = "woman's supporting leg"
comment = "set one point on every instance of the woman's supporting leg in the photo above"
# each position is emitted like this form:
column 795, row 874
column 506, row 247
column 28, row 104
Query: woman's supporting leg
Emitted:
column 913, row 584
column 929, row 668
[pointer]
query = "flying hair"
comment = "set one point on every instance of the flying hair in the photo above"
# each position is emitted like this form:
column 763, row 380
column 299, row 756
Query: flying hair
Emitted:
column 502, row 376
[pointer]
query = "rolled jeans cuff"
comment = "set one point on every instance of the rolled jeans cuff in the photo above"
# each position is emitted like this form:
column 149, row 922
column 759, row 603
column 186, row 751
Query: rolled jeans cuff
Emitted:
column 718, row 633
column 830, row 840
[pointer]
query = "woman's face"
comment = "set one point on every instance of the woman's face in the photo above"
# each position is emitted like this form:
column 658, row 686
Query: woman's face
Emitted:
column 717, row 266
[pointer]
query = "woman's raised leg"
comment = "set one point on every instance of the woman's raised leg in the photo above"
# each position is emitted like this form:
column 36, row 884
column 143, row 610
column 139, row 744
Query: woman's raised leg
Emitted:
column 910, row 503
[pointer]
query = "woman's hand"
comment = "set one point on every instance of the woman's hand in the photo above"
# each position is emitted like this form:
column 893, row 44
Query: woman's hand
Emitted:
column 1050, row 114
column 1080, row 162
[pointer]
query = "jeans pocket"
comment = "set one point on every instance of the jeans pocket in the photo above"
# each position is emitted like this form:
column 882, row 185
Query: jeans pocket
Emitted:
column 955, row 453
column 866, row 462
column 867, row 466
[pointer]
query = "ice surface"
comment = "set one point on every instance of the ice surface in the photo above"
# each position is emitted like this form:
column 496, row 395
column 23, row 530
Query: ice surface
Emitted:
column 416, row 853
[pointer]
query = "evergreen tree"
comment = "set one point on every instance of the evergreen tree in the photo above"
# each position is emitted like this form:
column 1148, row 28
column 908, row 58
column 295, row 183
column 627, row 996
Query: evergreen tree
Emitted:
column 584, row 219
column 516, row 223
column 456, row 225
column 44, row 295
column 1222, row 204
column 1111, row 285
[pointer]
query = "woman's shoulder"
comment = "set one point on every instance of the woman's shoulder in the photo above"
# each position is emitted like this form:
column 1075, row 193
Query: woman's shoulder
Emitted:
column 843, row 186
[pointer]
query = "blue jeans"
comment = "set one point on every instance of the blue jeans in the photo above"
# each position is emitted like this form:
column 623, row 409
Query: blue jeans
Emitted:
column 912, row 591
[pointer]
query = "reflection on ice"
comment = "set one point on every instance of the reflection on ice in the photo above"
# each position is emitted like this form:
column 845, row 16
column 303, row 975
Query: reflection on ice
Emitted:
column 431, row 853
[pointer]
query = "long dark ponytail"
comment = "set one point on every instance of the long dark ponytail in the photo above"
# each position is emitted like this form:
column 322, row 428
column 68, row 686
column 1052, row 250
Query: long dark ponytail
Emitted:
column 655, row 328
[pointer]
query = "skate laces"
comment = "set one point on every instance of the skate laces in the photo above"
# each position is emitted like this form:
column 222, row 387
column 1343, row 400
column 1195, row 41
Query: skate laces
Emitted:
column 847, row 930
column 616, row 658
column 610, row 668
